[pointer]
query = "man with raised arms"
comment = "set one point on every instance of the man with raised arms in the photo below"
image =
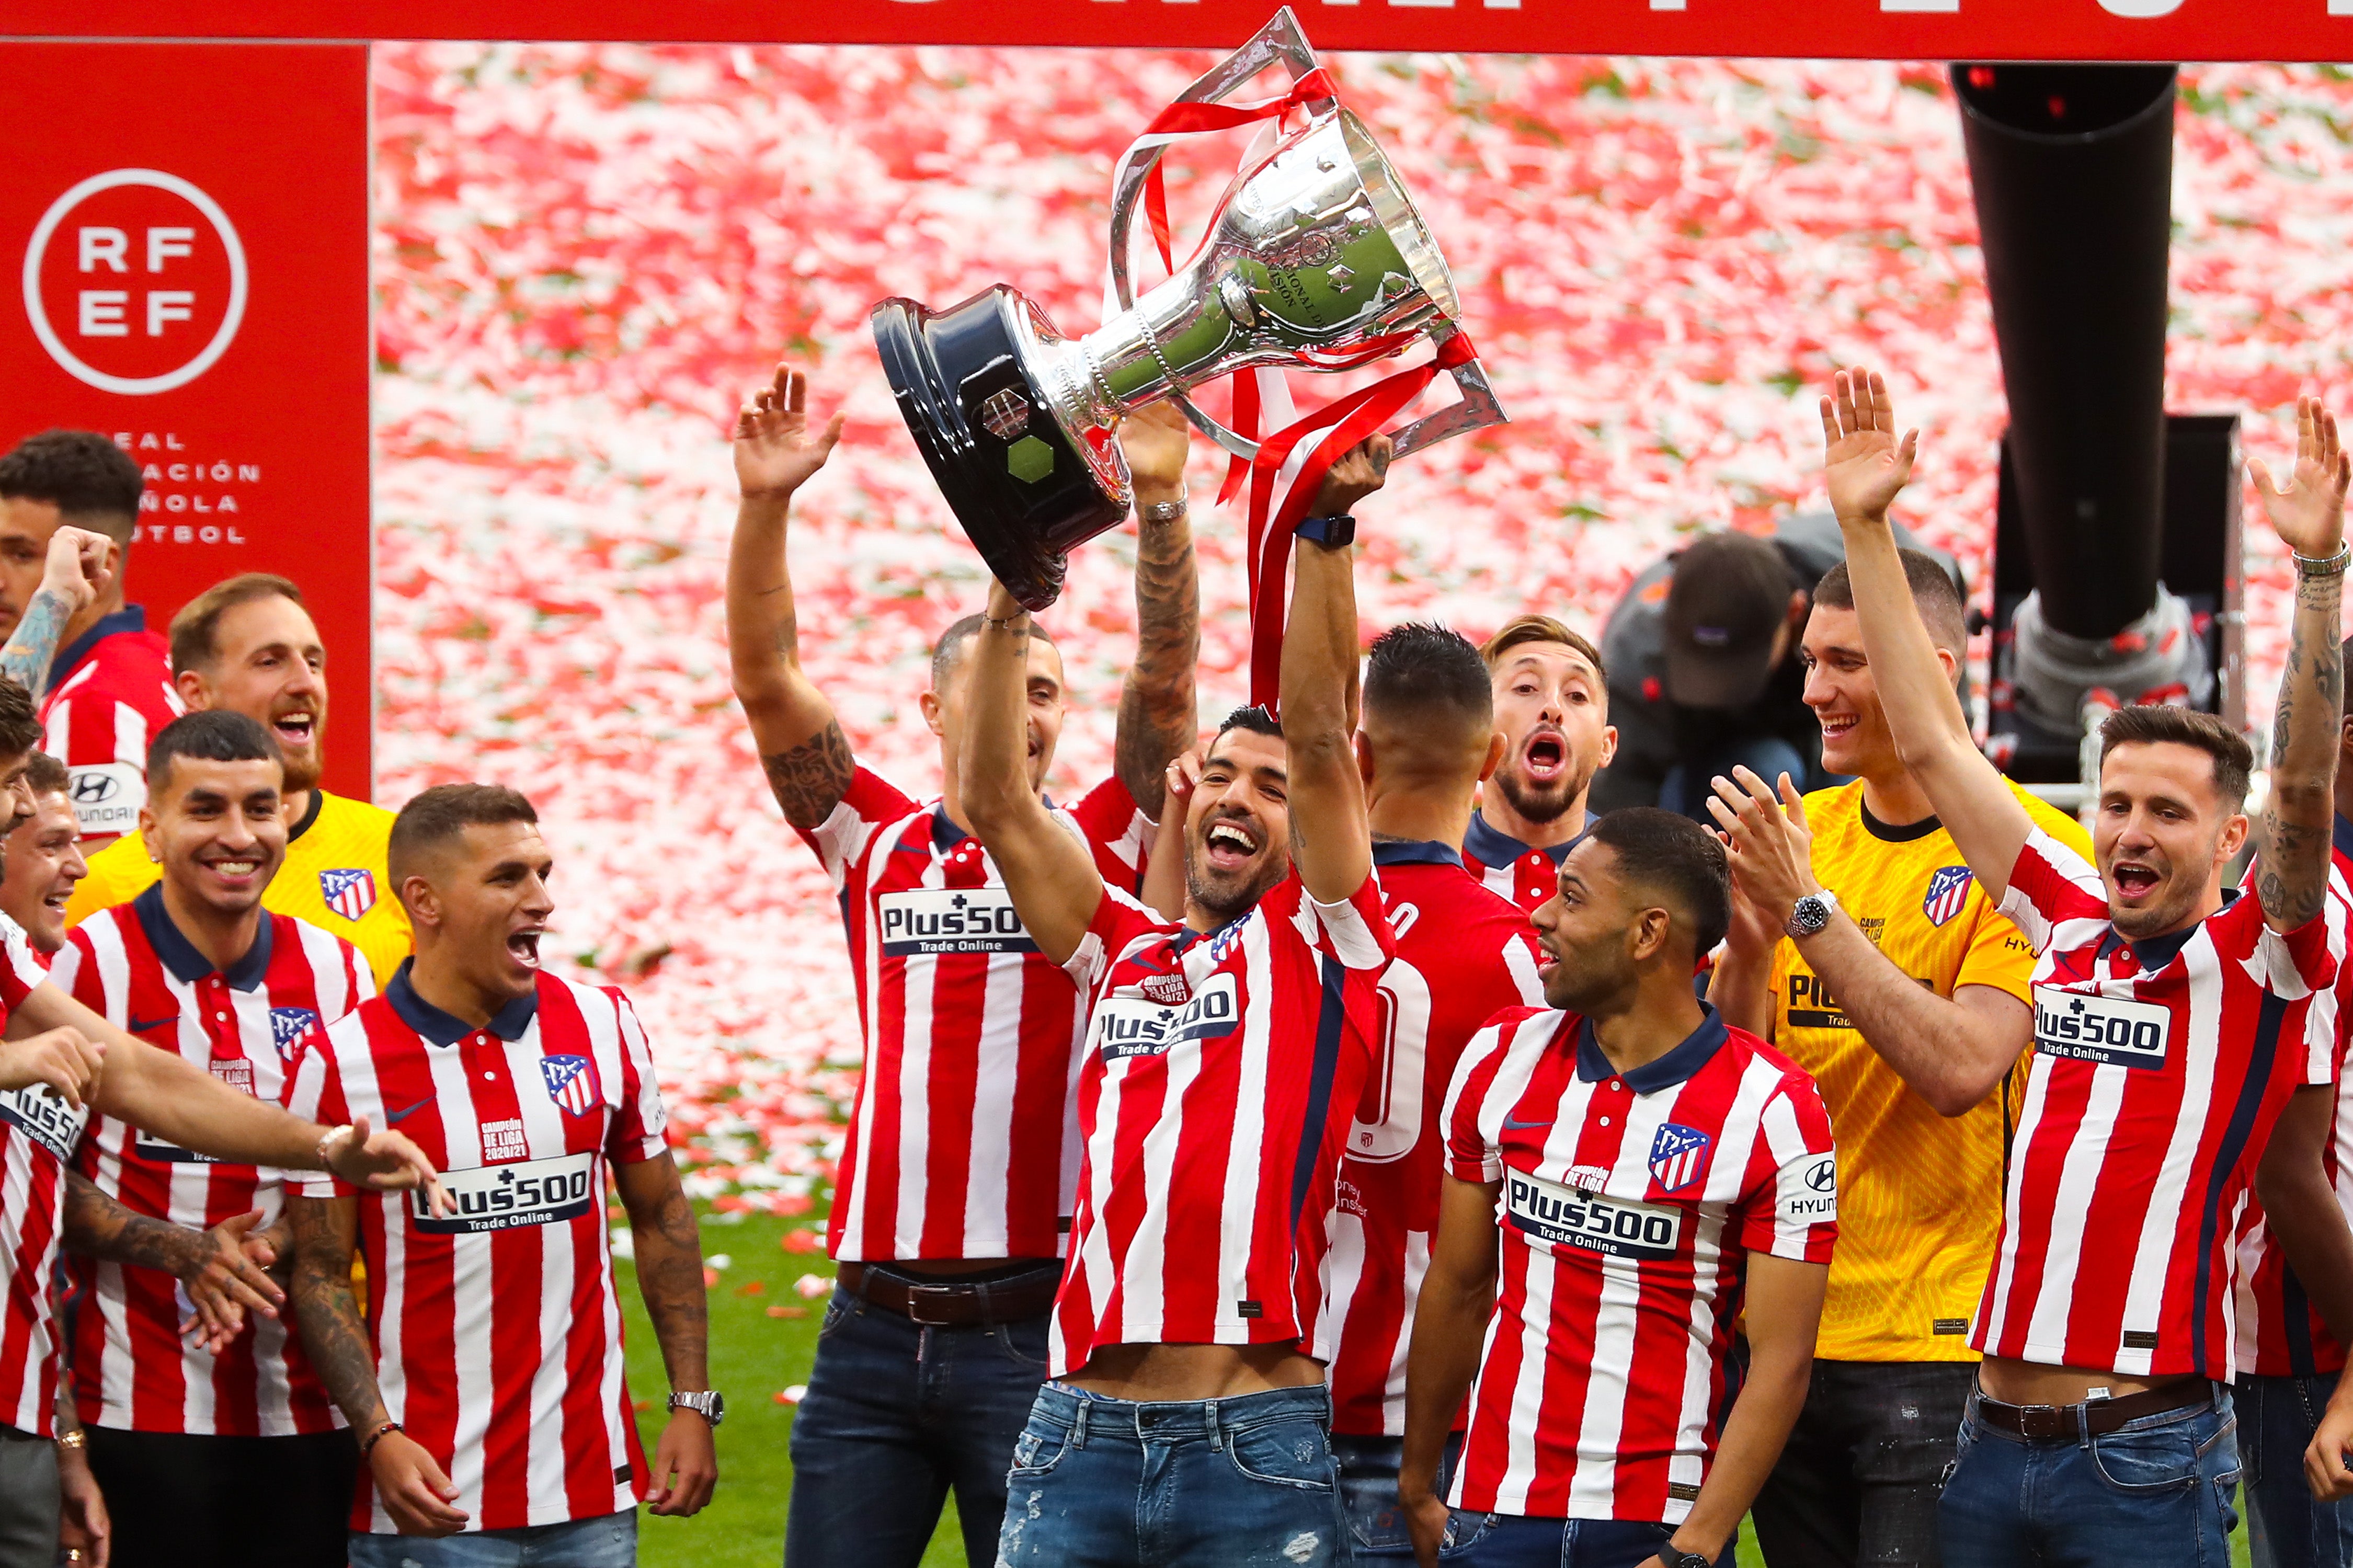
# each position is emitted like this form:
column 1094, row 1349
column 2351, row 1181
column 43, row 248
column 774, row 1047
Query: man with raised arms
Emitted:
column 2175, row 1020
column 952, row 1197
column 1187, row 1419
column 1552, row 709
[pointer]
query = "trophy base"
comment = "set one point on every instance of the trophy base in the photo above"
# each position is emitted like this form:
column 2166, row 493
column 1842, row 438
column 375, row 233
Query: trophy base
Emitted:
column 1023, row 491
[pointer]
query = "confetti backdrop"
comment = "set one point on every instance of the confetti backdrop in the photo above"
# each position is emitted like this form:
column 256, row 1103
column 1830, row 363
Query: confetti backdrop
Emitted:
column 586, row 254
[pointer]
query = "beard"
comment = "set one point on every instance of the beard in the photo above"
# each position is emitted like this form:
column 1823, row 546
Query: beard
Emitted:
column 1229, row 899
column 1541, row 804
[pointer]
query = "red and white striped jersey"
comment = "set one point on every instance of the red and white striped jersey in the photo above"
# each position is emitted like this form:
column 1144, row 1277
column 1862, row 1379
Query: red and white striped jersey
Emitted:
column 1220, row 1078
column 247, row 1025
column 963, row 1141
column 1509, row 868
column 1462, row 956
column 38, row 1133
column 1629, row 1205
column 497, row 1330
column 2159, row 1069
column 2280, row 1333
column 110, row 692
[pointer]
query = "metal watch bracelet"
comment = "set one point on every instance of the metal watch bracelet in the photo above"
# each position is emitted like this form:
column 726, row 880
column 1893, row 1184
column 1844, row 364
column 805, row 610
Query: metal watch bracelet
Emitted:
column 1164, row 511
column 2308, row 566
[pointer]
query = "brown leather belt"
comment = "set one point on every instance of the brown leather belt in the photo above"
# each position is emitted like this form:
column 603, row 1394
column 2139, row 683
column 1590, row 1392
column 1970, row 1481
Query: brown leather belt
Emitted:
column 2097, row 1417
column 953, row 1303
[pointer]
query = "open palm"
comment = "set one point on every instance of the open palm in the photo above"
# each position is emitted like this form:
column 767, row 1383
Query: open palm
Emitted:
column 2308, row 512
column 775, row 453
column 1865, row 464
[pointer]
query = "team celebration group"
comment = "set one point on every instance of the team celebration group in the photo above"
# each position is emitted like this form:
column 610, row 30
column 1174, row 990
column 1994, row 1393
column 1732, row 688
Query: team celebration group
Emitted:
column 1326, row 1140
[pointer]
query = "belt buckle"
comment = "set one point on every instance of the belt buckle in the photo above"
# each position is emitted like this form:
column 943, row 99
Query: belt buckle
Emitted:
column 2044, row 1421
column 918, row 1296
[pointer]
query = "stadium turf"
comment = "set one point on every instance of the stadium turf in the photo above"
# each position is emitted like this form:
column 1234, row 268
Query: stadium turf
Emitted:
column 754, row 1356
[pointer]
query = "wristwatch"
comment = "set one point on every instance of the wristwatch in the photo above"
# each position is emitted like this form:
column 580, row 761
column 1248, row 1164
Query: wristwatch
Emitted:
column 707, row 1405
column 1811, row 913
column 1331, row 532
column 1674, row 1557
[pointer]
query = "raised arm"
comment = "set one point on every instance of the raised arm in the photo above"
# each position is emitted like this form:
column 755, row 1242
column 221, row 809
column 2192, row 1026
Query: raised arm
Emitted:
column 1866, row 468
column 1157, row 717
column 1051, row 878
column 2292, row 856
column 1331, row 835
column 74, row 574
column 802, row 748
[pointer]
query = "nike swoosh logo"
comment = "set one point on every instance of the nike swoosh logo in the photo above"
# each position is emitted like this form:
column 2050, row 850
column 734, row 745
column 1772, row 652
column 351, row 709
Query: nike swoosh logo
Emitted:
column 141, row 1025
column 394, row 1118
column 1513, row 1126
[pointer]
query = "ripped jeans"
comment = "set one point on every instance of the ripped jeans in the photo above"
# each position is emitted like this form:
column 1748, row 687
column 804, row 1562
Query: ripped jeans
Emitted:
column 1246, row 1482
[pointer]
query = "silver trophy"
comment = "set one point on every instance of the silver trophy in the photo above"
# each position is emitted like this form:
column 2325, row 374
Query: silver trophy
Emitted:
column 1315, row 260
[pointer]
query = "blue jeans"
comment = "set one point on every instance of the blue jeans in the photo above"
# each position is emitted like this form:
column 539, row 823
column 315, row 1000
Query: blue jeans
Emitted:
column 1514, row 1541
column 2286, row 1528
column 2156, row 1492
column 1246, row 1482
column 1688, row 785
column 896, row 1414
column 610, row 1541
column 1369, row 1497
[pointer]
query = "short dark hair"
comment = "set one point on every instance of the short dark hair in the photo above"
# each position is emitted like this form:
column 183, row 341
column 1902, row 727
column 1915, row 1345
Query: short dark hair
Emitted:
column 444, row 811
column 1421, row 666
column 1252, row 717
column 2155, row 724
column 1668, row 853
column 1531, row 629
column 195, row 630
column 210, row 735
column 92, row 482
column 20, row 720
column 950, row 647
column 1932, row 594
column 43, row 775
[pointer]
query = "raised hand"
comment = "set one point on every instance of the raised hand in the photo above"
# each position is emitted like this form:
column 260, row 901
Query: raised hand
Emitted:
column 1865, row 465
column 2308, row 512
column 775, row 453
column 1767, row 842
column 76, row 569
column 1362, row 469
column 1156, row 439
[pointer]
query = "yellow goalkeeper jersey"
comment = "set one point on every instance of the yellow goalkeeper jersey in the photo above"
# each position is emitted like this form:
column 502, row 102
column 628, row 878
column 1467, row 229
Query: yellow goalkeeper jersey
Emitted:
column 334, row 877
column 1919, row 1193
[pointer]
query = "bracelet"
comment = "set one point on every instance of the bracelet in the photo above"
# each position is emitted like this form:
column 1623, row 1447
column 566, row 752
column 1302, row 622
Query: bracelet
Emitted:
column 368, row 1443
column 326, row 1161
column 2310, row 567
column 1163, row 510
column 1013, row 622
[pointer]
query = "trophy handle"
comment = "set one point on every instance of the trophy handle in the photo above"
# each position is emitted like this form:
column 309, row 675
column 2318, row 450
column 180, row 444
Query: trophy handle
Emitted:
column 1477, row 410
column 1280, row 42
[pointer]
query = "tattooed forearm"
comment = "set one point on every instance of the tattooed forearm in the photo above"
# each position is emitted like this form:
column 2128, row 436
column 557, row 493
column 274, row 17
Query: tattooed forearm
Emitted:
column 2292, row 838
column 1156, row 717
column 97, row 1226
column 670, row 1269
column 323, row 1233
column 33, row 646
column 809, row 779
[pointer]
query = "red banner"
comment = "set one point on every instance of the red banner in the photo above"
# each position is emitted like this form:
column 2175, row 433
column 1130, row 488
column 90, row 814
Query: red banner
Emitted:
column 1880, row 29
column 186, row 239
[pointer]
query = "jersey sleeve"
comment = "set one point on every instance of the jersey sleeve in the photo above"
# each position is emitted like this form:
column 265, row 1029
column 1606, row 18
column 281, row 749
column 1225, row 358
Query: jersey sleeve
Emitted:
column 1790, row 1209
column 1119, row 919
column 315, row 1093
column 2049, row 884
column 1998, row 954
column 1470, row 1157
column 74, row 971
column 1117, row 833
column 21, row 969
column 640, row 1128
column 1356, row 930
column 869, row 803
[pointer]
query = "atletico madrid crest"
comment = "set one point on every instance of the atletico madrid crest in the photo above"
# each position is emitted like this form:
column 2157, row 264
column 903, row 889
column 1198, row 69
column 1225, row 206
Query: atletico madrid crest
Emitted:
column 350, row 892
column 570, row 1083
column 1948, row 890
column 1677, row 1156
column 288, row 1025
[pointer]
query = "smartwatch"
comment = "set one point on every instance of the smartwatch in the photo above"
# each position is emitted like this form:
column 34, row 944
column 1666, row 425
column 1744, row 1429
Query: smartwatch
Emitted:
column 1811, row 913
column 1331, row 532
column 708, row 1404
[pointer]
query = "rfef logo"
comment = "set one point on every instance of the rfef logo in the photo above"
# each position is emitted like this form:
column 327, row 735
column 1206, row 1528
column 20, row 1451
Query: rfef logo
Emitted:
column 135, row 282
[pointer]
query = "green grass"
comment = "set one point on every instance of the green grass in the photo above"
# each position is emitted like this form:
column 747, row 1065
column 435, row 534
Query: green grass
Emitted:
column 754, row 1355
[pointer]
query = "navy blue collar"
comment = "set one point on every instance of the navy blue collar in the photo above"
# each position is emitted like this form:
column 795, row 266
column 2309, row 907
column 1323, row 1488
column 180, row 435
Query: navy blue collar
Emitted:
column 129, row 619
column 2153, row 953
column 1681, row 1065
column 2341, row 837
column 947, row 835
column 180, row 955
column 1415, row 852
column 1492, row 846
column 439, row 1028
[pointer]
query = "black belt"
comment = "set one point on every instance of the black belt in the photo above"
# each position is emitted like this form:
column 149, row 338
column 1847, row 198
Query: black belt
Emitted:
column 2097, row 1417
column 953, row 1303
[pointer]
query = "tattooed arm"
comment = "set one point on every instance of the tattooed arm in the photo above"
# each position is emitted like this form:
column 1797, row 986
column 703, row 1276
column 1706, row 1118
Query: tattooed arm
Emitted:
column 415, row 1491
column 222, row 1276
column 802, row 748
column 2292, row 838
column 72, row 577
column 669, row 1276
column 1157, row 717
